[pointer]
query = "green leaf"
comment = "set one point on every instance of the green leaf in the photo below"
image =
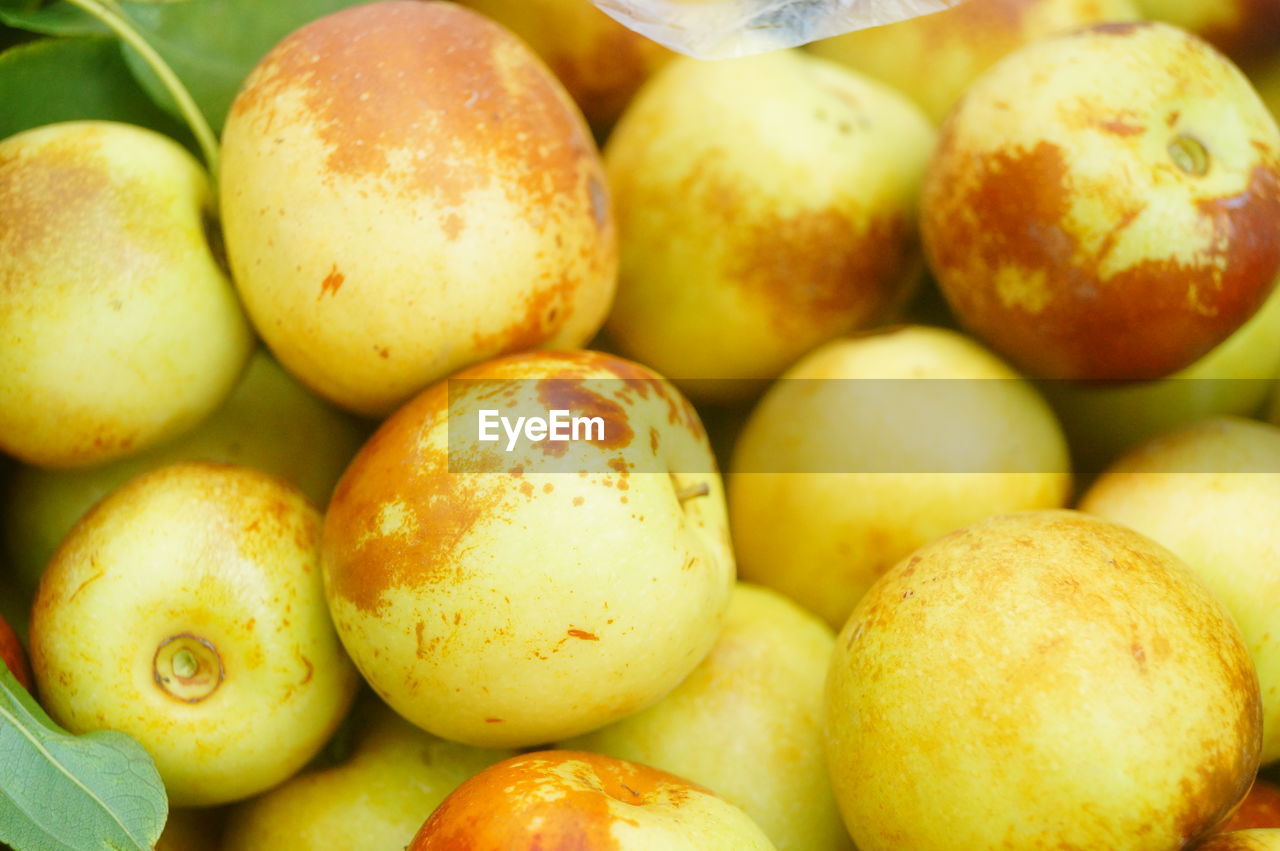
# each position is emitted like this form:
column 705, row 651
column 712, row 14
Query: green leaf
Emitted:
column 70, row 79
column 60, row 792
column 53, row 19
column 212, row 45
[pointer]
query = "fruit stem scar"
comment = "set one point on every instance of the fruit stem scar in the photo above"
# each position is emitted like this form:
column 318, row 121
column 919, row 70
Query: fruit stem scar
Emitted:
column 185, row 664
column 1189, row 154
column 693, row 491
column 187, row 667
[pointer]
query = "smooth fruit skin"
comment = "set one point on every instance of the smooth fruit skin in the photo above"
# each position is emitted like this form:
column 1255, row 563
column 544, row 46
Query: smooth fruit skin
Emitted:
column 747, row 723
column 220, row 562
column 375, row 800
column 1260, row 809
column 118, row 328
column 492, row 600
column 1106, row 204
column 269, row 422
column 599, row 61
column 407, row 190
column 765, row 205
column 1102, row 421
column 845, row 466
column 1210, row 492
column 1040, row 680
column 959, row 43
column 1244, row 840
column 1246, row 30
column 567, row 799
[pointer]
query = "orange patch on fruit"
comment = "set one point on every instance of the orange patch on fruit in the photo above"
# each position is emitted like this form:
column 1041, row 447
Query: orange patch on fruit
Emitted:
column 548, row 800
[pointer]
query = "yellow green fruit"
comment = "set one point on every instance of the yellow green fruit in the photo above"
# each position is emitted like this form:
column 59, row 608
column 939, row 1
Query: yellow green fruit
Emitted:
column 187, row 610
column 268, row 422
column 1210, row 492
column 1040, row 680
column 747, row 723
column 118, row 328
column 848, row 464
column 374, row 800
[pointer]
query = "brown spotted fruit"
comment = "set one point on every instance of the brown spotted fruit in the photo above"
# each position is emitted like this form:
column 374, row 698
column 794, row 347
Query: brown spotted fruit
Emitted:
column 765, row 205
column 118, row 327
column 1106, row 204
column 510, row 597
column 187, row 610
column 568, row 799
column 958, row 44
column 406, row 190
column 375, row 798
column 1040, row 680
column 1210, row 492
column 600, row 62
column 874, row 445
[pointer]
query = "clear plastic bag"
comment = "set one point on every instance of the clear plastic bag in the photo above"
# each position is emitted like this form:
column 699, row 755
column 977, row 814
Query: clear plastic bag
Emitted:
column 723, row 29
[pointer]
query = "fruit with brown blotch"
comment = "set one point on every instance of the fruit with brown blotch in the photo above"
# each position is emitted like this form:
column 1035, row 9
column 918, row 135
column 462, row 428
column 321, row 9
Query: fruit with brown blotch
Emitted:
column 567, row 799
column 875, row 445
column 776, row 195
column 407, row 190
column 374, row 799
column 1106, row 204
column 511, row 598
column 747, row 723
column 1044, row 679
column 959, row 43
column 1210, row 492
column 187, row 610
column 118, row 327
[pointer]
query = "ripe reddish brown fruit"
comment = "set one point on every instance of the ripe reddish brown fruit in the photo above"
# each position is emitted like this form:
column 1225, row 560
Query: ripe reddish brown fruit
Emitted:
column 1106, row 204
column 569, row 799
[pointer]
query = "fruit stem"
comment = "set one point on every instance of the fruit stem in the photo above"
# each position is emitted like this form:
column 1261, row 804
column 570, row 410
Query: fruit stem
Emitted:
column 121, row 26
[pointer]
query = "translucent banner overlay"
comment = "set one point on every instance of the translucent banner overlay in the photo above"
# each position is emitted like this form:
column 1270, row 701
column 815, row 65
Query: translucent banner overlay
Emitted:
column 824, row 426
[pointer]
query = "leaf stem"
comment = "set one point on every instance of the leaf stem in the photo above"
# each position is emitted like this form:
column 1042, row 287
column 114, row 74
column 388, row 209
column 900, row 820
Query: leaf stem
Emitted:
column 122, row 27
